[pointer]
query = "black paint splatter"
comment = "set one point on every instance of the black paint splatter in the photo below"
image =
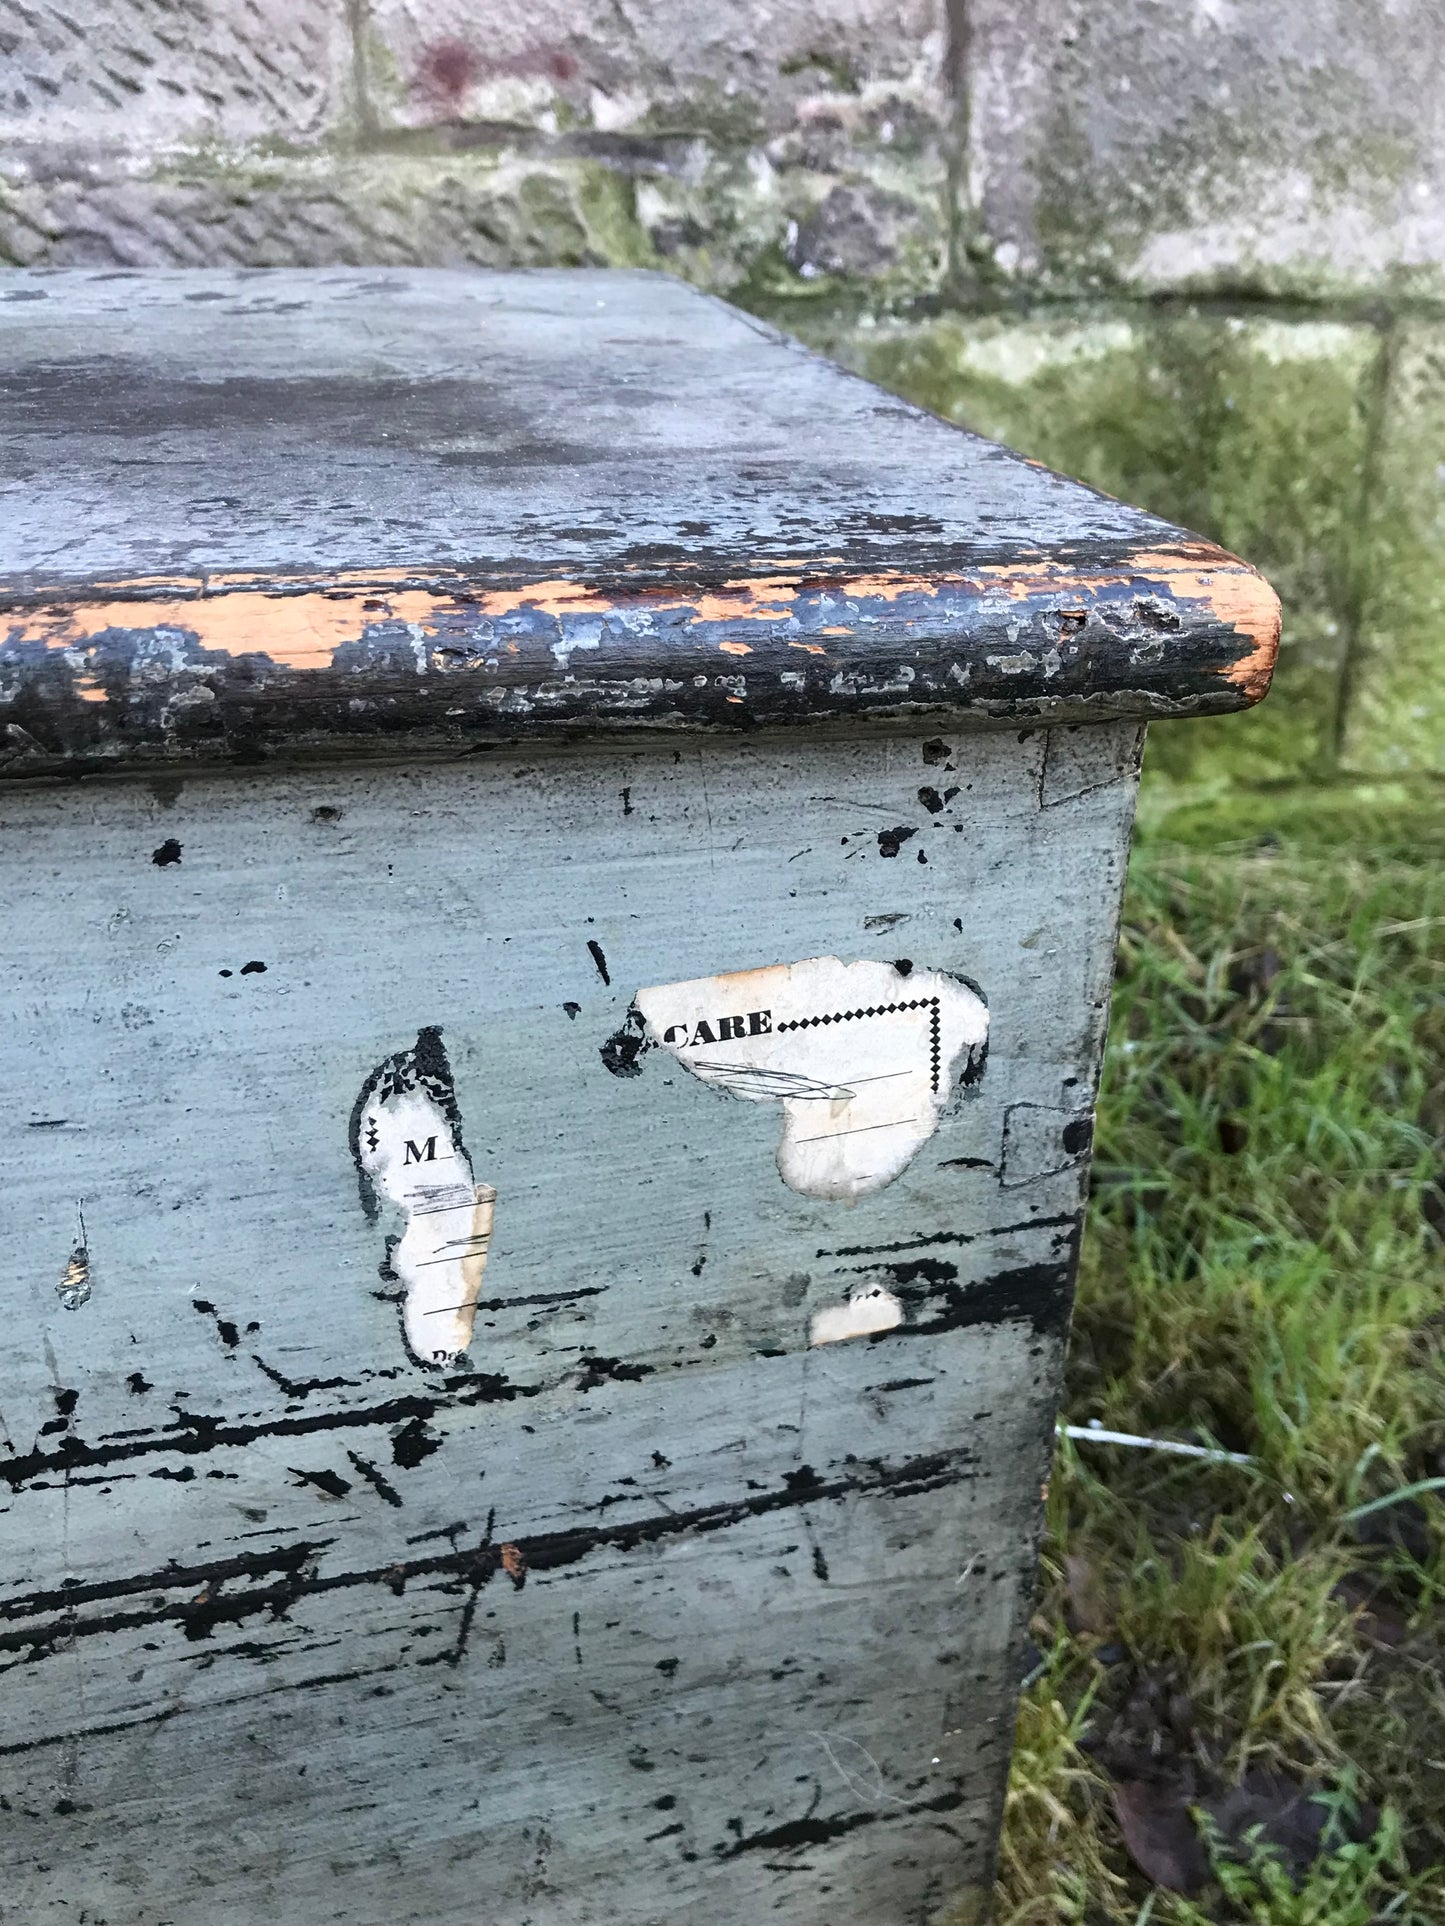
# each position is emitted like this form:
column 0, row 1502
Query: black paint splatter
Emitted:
column 413, row 1443
column 626, row 1047
column 329, row 1482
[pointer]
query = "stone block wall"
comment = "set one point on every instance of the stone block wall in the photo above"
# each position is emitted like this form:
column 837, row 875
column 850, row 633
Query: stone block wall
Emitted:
column 1193, row 250
column 1261, row 147
column 723, row 140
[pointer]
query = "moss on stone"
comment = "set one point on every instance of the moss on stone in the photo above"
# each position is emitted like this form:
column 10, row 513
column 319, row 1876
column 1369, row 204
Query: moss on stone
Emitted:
column 834, row 67
column 386, row 92
column 607, row 202
column 804, row 272
column 1396, row 719
column 1250, row 432
column 724, row 120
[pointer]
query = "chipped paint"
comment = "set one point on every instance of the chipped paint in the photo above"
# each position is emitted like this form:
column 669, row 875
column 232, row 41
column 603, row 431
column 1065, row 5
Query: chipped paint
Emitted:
column 861, row 1056
column 295, row 631
column 173, row 669
column 74, row 1288
column 300, row 624
column 1240, row 598
column 1236, row 594
column 407, row 1142
column 869, row 1311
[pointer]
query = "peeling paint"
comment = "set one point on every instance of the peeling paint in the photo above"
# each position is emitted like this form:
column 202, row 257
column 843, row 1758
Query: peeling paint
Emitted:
column 642, row 1450
column 1239, row 597
column 299, row 623
column 176, row 672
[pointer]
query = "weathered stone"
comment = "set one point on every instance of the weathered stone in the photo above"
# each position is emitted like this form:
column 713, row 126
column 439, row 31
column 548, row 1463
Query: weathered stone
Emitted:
column 146, row 75
column 812, row 144
column 1137, row 145
column 1220, row 144
column 853, row 230
column 1251, row 432
column 1397, row 704
column 492, row 209
column 755, row 138
column 736, row 71
column 716, row 218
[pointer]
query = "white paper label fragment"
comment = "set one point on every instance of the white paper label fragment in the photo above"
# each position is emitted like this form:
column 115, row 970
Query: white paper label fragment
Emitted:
column 406, row 1137
column 869, row 1310
column 861, row 1056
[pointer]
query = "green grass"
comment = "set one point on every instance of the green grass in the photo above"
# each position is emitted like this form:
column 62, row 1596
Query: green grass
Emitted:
column 1260, row 1271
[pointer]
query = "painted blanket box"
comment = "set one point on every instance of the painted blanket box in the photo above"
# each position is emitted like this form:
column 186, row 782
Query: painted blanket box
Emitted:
column 561, row 859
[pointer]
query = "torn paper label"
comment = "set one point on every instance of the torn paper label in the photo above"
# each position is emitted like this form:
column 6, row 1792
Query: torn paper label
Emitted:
column 870, row 1310
column 407, row 1140
column 861, row 1056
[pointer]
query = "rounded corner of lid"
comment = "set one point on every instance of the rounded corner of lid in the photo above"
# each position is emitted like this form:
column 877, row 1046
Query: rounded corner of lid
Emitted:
column 1239, row 597
column 1248, row 603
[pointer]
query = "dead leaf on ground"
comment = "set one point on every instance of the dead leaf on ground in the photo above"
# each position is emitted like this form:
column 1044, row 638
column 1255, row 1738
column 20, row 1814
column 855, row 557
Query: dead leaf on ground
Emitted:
column 1291, row 1819
column 1266, row 1810
column 1253, row 975
column 1087, row 1611
column 1161, row 1836
column 1146, row 1735
column 1378, row 1617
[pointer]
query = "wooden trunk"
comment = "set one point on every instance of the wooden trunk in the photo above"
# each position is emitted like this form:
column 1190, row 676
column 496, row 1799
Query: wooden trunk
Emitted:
column 548, row 1067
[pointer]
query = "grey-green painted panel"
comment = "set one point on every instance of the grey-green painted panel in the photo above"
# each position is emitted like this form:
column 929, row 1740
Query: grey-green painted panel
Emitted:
column 659, row 1611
